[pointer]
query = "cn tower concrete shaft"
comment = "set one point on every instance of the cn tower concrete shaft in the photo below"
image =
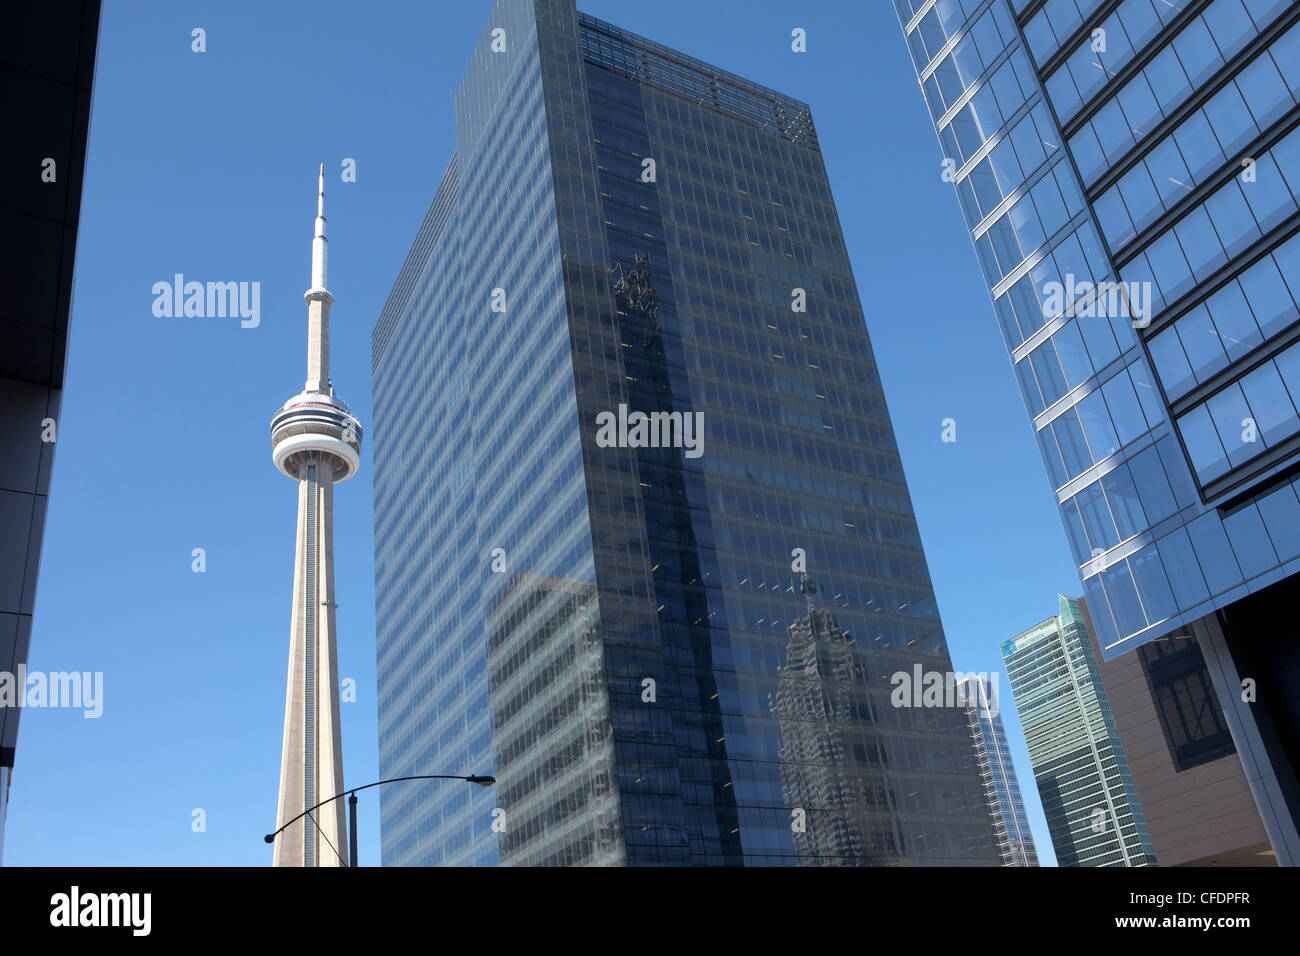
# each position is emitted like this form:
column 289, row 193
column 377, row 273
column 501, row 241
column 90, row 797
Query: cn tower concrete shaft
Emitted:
column 316, row 441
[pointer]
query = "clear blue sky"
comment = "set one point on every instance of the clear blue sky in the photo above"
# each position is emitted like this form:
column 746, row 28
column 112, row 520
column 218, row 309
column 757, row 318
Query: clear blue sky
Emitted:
column 205, row 164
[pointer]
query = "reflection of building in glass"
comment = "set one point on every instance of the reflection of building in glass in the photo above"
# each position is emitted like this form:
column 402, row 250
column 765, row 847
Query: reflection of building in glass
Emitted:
column 1152, row 147
column 1083, row 778
column 821, row 686
column 551, row 733
column 1001, row 787
column 662, row 217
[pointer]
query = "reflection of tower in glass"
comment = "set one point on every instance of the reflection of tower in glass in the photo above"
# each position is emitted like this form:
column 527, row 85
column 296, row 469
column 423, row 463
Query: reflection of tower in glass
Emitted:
column 551, row 733
column 821, row 686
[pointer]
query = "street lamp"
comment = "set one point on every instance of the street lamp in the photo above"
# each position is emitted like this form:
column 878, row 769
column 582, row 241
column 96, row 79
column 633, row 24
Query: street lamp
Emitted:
column 351, row 794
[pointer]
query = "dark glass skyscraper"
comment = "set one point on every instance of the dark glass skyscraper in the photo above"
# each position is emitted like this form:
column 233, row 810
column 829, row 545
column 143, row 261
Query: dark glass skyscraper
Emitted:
column 644, row 548
column 1130, row 174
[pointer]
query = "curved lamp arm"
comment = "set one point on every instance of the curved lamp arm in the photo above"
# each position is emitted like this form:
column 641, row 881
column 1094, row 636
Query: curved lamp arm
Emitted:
column 472, row 778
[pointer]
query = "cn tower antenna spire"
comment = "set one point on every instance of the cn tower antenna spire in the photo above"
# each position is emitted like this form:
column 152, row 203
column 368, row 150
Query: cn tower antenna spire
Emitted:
column 319, row 243
column 319, row 301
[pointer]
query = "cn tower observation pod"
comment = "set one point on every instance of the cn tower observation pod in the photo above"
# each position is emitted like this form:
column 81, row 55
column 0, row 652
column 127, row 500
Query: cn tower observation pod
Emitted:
column 315, row 426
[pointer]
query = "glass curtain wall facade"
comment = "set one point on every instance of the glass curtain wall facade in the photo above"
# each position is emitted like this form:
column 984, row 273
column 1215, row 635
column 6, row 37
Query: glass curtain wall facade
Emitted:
column 1130, row 172
column 1001, row 786
column 622, row 631
column 1083, row 780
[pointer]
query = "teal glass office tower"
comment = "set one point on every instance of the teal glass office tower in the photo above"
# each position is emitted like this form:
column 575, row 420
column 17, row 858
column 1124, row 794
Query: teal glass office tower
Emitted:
column 626, row 623
column 1129, row 171
column 1083, row 780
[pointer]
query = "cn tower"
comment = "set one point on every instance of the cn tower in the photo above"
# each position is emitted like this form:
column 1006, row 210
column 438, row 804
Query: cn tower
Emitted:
column 316, row 441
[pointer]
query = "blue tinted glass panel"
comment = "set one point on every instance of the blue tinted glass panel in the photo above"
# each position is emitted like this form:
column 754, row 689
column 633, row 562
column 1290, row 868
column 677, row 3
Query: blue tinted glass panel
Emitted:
column 1124, row 603
column 1112, row 127
column 1288, row 364
column 1250, row 542
column 1199, row 148
column 1169, row 266
column 1182, row 569
column 1264, row 90
column 1074, row 359
column 1214, row 554
column 1270, row 405
column 1099, row 611
column 1169, row 173
column 1234, row 321
column 1125, row 412
column 1230, row 25
column 1152, row 586
column 1197, row 237
column 1097, row 520
column 1099, row 338
column 1176, row 470
column 1145, row 386
column 1125, row 505
column 1232, row 418
column 1281, row 513
column 1197, row 52
column 1269, row 198
column 1087, row 153
column 1079, row 546
column 1233, row 222
column 1149, row 479
column 1233, row 125
column 1029, row 387
column 1168, row 85
column 1268, row 296
column 1051, row 456
column 1069, row 437
column 1140, row 197
column 1201, row 343
column 1203, row 445
column 1048, row 371
column 1097, row 426
column 1171, row 364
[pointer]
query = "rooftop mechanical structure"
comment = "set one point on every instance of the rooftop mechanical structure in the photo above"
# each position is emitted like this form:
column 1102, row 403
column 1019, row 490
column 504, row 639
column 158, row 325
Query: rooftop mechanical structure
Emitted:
column 316, row 441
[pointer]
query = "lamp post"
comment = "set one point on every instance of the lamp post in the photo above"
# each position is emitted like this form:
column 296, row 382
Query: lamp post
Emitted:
column 351, row 794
